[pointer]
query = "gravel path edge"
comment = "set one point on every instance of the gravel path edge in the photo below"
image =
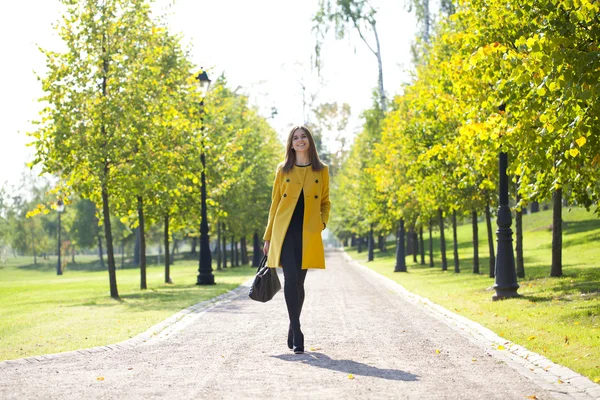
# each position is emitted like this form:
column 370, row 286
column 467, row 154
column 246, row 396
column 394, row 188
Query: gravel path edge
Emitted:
column 561, row 381
column 159, row 331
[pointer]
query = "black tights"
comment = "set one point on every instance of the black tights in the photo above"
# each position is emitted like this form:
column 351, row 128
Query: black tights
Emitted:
column 293, row 289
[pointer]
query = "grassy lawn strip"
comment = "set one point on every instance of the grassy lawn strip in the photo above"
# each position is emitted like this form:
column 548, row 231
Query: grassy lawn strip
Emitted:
column 556, row 317
column 42, row 313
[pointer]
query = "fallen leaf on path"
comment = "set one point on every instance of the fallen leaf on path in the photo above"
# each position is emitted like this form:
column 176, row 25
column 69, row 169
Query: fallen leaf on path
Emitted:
column 130, row 369
column 534, row 397
column 500, row 347
column 350, row 376
column 100, row 378
column 437, row 351
column 597, row 380
column 559, row 381
column 473, row 359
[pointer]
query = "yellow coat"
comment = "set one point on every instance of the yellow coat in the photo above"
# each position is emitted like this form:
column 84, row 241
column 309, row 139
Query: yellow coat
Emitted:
column 286, row 190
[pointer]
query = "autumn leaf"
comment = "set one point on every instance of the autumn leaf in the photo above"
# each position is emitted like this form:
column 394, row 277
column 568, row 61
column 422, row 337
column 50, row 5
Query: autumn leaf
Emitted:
column 531, row 338
column 581, row 141
column 350, row 376
column 573, row 152
column 100, row 378
column 500, row 347
column 437, row 351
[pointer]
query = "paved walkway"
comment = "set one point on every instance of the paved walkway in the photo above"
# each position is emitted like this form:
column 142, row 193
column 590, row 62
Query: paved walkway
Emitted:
column 363, row 340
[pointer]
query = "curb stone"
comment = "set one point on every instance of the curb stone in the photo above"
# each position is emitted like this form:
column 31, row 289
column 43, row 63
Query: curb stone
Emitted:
column 157, row 332
column 560, row 381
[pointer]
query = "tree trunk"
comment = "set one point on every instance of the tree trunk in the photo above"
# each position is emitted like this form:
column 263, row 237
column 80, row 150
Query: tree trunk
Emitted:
column 556, row 233
column 142, row 243
column 409, row 242
column 245, row 260
column 371, row 245
column 112, row 272
column 218, row 248
column 167, row 263
column 431, row 263
column 224, row 248
column 237, row 254
column 400, row 250
column 488, row 221
column 421, row 245
column 475, row 242
column 33, row 245
column 73, row 254
column 382, row 243
column 122, row 253
column 194, row 244
column 359, row 245
column 415, row 244
column 442, row 240
column 455, row 240
column 233, row 263
column 353, row 241
column 100, row 252
column 256, row 253
column 535, row 207
column 136, row 248
column 380, row 65
column 519, row 240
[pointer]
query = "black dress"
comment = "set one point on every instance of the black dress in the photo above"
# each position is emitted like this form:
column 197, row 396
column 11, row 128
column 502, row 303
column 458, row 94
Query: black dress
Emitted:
column 291, row 261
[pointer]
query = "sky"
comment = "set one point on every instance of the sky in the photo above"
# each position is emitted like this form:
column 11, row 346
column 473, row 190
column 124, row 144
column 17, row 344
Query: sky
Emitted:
column 264, row 47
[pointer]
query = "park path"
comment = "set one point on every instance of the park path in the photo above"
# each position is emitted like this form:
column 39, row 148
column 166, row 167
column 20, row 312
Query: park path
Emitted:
column 362, row 340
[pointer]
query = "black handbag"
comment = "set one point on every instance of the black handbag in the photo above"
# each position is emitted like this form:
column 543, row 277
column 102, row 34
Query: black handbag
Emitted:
column 266, row 283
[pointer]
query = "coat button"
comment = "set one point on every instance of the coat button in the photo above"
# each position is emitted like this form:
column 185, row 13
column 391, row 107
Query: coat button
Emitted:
column 287, row 180
column 284, row 195
column 317, row 181
column 316, row 197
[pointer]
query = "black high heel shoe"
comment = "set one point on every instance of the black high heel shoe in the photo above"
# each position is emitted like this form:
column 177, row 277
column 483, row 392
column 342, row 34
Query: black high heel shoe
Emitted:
column 290, row 341
column 298, row 343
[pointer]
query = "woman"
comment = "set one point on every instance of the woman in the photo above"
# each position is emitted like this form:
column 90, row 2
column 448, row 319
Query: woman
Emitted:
column 299, row 212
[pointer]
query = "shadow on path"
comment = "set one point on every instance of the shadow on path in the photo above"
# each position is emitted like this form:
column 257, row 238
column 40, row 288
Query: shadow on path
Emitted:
column 321, row 360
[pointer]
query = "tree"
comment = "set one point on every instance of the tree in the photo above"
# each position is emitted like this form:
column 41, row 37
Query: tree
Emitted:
column 345, row 16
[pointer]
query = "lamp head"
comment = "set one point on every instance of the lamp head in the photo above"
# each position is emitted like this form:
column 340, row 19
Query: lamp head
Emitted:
column 60, row 206
column 202, row 83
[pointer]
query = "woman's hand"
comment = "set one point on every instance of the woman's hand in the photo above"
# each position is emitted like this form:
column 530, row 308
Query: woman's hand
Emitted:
column 266, row 247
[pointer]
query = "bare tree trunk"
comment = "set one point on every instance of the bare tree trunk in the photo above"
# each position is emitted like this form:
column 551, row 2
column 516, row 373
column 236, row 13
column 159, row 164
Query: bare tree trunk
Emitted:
column 455, row 240
column 244, row 246
column 431, row 264
column 167, row 261
column 556, row 233
column 422, row 245
column 100, row 251
column 400, row 253
column 112, row 271
column 224, row 246
column 218, row 251
column 488, row 221
column 257, row 252
column 380, row 66
column 475, row 242
column 194, row 244
column 33, row 245
column 442, row 240
column 142, row 243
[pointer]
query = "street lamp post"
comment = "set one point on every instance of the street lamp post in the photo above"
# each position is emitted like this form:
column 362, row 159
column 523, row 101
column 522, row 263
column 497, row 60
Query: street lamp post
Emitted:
column 205, row 275
column 506, row 277
column 60, row 207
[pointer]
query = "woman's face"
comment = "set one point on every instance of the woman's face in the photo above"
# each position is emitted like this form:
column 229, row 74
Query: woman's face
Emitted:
column 300, row 141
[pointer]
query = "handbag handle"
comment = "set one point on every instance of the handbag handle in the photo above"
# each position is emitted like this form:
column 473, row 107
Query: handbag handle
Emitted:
column 262, row 263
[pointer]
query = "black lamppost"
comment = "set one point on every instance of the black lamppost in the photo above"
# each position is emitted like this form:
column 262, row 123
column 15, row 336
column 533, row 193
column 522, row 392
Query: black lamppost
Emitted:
column 205, row 276
column 506, row 277
column 60, row 207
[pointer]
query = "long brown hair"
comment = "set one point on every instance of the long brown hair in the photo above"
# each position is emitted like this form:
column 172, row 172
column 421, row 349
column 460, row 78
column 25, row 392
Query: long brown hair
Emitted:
column 290, row 153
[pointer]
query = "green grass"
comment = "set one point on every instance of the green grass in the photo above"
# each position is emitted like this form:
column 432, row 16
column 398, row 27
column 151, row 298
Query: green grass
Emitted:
column 43, row 313
column 556, row 317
